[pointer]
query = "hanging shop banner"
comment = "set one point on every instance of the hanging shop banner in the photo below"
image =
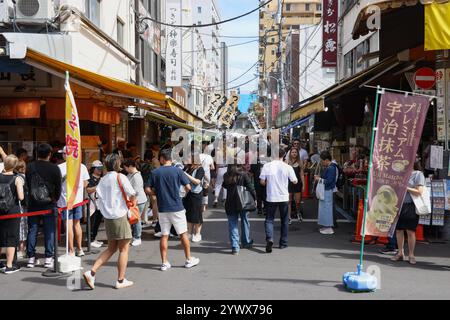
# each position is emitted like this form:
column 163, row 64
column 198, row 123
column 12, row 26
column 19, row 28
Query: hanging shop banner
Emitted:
column 73, row 147
column 329, row 31
column 216, row 102
column 399, row 129
column 173, row 51
column 437, row 26
column 229, row 111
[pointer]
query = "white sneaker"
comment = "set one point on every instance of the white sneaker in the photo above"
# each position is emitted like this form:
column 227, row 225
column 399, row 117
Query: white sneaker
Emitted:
column 90, row 280
column 192, row 262
column 49, row 263
column 290, row 221
column 125, row 284
column 135, row 243
column 327, row 231
column 158, row 234
column 196, row 238
column 20, row 255
column 96, row 244
column 32, row 262
column 79, row 253
column 165, row 266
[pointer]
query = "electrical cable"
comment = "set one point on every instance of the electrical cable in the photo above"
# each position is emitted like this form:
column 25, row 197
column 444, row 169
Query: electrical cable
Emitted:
column 204, row 25
column 230, row 46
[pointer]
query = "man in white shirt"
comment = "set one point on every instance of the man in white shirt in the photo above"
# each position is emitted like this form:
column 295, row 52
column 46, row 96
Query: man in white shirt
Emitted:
column 208, row 164
column 276, row 175
column 73, row 216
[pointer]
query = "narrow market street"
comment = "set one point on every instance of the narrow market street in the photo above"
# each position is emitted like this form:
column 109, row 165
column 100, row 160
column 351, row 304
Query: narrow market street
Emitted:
column 310, row 268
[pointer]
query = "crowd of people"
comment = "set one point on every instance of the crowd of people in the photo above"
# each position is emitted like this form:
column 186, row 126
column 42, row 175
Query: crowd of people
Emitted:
column 175, row 194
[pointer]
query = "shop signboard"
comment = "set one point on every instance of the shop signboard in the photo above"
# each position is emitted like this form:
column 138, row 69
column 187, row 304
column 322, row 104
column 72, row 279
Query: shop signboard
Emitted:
column 440, row 104
column 400, row 124
column 174, row 39
column 436, row 157
column 329, row 31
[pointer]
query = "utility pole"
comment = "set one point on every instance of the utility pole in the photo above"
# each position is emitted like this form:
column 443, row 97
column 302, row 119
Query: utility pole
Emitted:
column 280, row 82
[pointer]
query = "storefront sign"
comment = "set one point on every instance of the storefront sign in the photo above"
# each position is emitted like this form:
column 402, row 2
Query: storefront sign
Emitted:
column 275, row 107
column 173, row 51
column 20, row 109
column 216, row 102
column 436, row 157
column 229, row 111
column 34, row 79
column 399, row 130
column 440, row 104
column 329, row 31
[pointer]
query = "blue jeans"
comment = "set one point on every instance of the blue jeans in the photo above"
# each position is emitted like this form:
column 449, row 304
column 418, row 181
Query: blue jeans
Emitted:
column 392, row 245
column 233, row 221
column 137, row 227
column 49, row 235
column 74, row 214
column 271, row 210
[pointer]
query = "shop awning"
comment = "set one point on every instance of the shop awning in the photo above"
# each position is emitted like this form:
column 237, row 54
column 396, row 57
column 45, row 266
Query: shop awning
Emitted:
column 361, row 28
column 109, row 86
column 314, row 106
column 162, row 119
column 317, row 103
column 295, row 124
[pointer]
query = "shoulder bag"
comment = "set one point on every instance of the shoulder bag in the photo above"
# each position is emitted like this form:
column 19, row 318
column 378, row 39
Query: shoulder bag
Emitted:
column 422, row 202
column 245, row 197
column 133, row 210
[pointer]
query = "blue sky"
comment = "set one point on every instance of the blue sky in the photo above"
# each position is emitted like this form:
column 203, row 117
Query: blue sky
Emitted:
column 241, row 58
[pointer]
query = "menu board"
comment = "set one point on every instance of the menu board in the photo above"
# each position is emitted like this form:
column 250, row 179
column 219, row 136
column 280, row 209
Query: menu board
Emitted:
column 438, row 191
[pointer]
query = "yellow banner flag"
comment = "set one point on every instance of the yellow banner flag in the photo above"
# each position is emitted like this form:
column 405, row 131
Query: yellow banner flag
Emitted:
column 73, row 146
column 437, row 26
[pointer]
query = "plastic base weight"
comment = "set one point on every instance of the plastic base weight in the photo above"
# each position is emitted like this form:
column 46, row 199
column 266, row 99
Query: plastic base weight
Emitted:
column 359, row 282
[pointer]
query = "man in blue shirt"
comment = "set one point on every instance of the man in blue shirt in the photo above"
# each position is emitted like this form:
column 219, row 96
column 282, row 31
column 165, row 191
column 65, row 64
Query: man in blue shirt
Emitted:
column 165, row 182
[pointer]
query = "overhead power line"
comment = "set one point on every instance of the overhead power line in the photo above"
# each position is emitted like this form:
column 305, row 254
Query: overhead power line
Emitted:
column 204, row 25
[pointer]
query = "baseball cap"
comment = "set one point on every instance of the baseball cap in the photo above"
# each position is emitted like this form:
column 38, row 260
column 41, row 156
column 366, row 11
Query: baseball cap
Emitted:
column 97, row 164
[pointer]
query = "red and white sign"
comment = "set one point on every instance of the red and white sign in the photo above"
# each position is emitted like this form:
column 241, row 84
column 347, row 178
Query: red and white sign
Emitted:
column 425, row 78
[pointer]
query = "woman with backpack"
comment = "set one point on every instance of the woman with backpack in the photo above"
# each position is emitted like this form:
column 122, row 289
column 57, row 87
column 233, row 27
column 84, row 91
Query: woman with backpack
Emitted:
column 234, row 177
column 11, row 193
column 192, row 202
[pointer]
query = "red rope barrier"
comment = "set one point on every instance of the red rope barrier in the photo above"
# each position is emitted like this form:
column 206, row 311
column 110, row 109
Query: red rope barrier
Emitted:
column 38, row 213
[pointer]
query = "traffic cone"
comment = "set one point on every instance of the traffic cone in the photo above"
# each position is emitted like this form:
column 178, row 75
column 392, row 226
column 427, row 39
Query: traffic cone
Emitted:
column 419, row 234
column 305, row 193
column 357, row 236
column 382, row 240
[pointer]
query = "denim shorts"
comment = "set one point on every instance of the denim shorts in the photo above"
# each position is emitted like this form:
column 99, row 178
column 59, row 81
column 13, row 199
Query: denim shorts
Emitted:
column 74, row 214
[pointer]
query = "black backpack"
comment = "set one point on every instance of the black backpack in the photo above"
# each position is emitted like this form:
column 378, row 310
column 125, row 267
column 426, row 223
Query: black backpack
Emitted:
column 39, row 191
column 340, row 182
column 7, row 199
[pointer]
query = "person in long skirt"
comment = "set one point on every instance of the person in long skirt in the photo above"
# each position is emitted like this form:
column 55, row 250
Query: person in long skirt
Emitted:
column 329, row 177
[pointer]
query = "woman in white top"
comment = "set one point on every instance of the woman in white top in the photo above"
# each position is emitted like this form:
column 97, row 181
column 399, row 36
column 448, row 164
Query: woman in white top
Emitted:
column 118, row 230
column 135, row 178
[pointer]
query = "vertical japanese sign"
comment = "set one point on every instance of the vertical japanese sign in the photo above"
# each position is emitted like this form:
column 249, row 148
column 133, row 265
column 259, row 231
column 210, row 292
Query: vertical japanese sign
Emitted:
column 440, row 104
column 399, row 129
column 329, row 32
column 173, row 51
column 73, row 146
column 275, row 107
column 216, row 103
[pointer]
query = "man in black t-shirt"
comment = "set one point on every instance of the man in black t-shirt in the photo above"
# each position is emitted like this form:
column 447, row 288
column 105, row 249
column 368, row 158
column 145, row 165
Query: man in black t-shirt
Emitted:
column 42, row 170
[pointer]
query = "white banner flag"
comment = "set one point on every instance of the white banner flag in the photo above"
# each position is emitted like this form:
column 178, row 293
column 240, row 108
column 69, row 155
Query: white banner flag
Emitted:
column 174, row 38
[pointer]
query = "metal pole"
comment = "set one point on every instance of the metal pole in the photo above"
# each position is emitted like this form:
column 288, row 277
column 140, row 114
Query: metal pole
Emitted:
column 366, row 202
column 55, row 272
column 88, row 226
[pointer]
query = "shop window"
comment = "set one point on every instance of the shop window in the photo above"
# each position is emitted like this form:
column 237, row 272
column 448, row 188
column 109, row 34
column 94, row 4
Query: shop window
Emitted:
column 92, row 11
column 348, row 64
column 120, row 32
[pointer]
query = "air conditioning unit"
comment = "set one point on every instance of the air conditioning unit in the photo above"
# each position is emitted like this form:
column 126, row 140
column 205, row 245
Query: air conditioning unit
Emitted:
column 34, row 10
column 6, row 11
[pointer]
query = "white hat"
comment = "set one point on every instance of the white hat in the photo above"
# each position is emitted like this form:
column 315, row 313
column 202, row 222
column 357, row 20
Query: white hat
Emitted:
column 97, row 164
